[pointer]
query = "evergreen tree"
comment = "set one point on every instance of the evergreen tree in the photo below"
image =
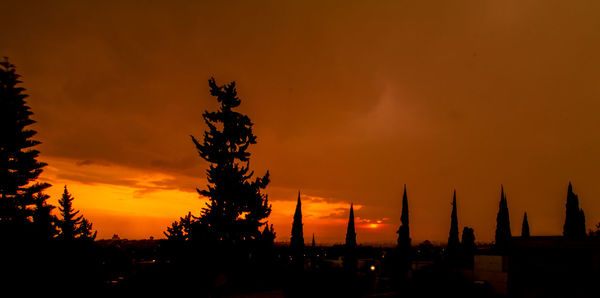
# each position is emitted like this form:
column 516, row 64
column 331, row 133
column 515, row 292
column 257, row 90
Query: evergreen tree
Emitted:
column 503, row 233
column 403, row 247
column 19, row 167
column 84, row 230
column 175, row 232
column 350, row 261
column 404, row 231
column 70, row 218
column 525, row 227
column 43, row 220
column 236, row 205
column 468, row 246
column 181, row 229
column 297, row 240
column 453, row 241
column 574, row 227
column 313, row 246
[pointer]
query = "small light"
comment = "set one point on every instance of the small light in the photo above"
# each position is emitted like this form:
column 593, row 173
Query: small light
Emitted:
column 372, row 267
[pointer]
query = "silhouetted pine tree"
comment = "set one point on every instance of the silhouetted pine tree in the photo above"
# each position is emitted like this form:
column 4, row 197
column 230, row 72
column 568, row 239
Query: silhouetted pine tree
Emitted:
column 503, row 233
column 181, row 230
column 297, row 240
column 70, row 219
column 236, row 206
column 84, row 230
column 468, row 246
column 574, row 227
column 350, row 260
column 175, row 232
column 525, row 227
column 44, row 222
column 403, row 247
column 453, row 241
column 19, row 167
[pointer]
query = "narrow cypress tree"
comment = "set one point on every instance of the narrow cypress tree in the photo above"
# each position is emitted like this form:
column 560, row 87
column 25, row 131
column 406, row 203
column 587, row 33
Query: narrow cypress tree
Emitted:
column 351, row 231
column 350, row 261
column 503, row 233
column 236, row 205
column 19, row 167
column 403, row 246
column 525, row 227
column 70, row 219
column 574, row 227
column 313, row 242
column 297, row 240
column 453, row 241
column 404, row 231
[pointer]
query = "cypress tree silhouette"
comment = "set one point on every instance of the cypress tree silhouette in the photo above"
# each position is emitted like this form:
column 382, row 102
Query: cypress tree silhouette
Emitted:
column 236, row 205
column 503, row 233
column 350, row 261
column 404, row 231
column 351, row 231
column 453, row 241
column 403, row 246
column 297, row 240
column 468, row 246
column 313, row 246
column 574, row 227
column 525, row 227
column 19, row 167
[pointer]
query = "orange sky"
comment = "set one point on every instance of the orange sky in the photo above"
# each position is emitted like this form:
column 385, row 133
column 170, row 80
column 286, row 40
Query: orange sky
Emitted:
column 350, row 101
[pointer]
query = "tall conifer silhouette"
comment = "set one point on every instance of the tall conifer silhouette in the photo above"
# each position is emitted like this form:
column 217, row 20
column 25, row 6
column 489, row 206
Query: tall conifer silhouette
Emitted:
column 453, row 240
column 404, row 231
column 236, row 205
column 297, row 239
column 574, row 227
column 72, row 224
column 403, row 246
column 19, row 167
column 503, row 233
column 350, row 261
column 351, row 231
column 70, row 218
column 525, row 227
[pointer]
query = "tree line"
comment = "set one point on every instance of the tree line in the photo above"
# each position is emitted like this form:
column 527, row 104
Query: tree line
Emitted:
column 24, row 210
column 237, row 207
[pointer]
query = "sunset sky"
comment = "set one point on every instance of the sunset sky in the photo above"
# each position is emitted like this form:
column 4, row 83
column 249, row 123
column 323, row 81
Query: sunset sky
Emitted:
column 351, row 100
